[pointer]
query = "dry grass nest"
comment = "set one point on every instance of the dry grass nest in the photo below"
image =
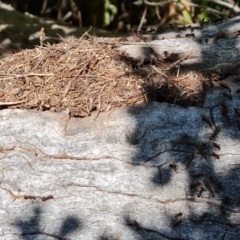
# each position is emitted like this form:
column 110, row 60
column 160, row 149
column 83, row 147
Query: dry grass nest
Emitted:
column 89, row 75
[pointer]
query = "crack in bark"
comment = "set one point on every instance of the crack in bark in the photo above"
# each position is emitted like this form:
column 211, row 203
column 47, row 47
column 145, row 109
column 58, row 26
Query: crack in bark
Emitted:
column 215, row 205
column 156, row 155
column 225, row 232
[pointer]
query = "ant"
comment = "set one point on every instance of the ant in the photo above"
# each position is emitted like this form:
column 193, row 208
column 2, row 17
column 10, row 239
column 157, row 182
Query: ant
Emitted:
column 195, row 185
column 215, row 155
column 215, row 133
column 178, row 215
column 175, row 223
column 205, row 119
column 173, row 166
column 47, row 198
column 135, row 224
column 225, row 110
column 201, row 191
column 216, row 145
column 208, row 186
column 29, row 197
column 138, row 36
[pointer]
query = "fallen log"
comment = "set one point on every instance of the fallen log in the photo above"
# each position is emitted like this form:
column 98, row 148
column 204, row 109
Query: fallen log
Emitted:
column 155, row 171
column 149, row 171
column 213, row 47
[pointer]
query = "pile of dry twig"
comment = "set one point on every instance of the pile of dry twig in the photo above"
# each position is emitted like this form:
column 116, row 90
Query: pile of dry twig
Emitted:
column 86, row 75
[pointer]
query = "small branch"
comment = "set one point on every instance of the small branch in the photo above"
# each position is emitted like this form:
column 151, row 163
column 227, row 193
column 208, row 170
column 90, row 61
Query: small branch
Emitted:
column 225, row 4
column 208, row 9
column 25, row 75
column 142, row 19
column 42, row 36
column 12, row 103
column 99, row 103
column 154, row 4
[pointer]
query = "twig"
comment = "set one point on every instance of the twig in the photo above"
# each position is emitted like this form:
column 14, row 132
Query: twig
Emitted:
column 208, row 9
column 61, row 37
column 171, row 66
column 44, row 6
column 70, row 82
column 12, row 103
column 42, row 36
column 154, row 3
column 99, row 103
column 26, row 75
column 159, row 71
column 86, row 33
column 67, row 89
column 226, row 4
column 142, row 19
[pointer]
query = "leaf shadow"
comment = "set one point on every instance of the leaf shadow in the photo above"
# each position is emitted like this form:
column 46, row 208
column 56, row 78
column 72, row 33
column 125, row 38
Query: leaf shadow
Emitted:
column 31, row 228
column 214, row 189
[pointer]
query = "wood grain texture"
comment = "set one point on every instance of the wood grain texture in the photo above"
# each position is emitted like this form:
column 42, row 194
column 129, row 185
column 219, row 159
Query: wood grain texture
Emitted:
column 215, row 47
column 146, row 172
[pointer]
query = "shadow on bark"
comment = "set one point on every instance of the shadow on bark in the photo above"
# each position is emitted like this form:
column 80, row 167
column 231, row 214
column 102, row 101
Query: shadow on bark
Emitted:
column 212, row 180
column 32, row 228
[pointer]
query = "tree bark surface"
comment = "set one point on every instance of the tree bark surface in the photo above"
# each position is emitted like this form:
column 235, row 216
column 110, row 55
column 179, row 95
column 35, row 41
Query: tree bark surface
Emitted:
column 155, row 171
column 214, row 47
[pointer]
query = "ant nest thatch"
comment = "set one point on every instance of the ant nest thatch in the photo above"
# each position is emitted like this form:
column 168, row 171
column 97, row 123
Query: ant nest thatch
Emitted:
column 86, row 75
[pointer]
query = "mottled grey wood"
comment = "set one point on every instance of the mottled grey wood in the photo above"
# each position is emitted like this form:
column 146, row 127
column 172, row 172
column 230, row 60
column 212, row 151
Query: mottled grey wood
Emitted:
column 126, row 175
column 226, row 27
column 214, row 47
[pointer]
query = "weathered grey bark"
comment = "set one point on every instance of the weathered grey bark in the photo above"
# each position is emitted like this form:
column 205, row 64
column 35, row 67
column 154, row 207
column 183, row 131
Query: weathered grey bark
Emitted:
column 153, row 171
column 213, row 47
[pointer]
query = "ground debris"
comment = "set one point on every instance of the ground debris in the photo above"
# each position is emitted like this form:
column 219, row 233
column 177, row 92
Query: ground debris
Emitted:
column 86, row 75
